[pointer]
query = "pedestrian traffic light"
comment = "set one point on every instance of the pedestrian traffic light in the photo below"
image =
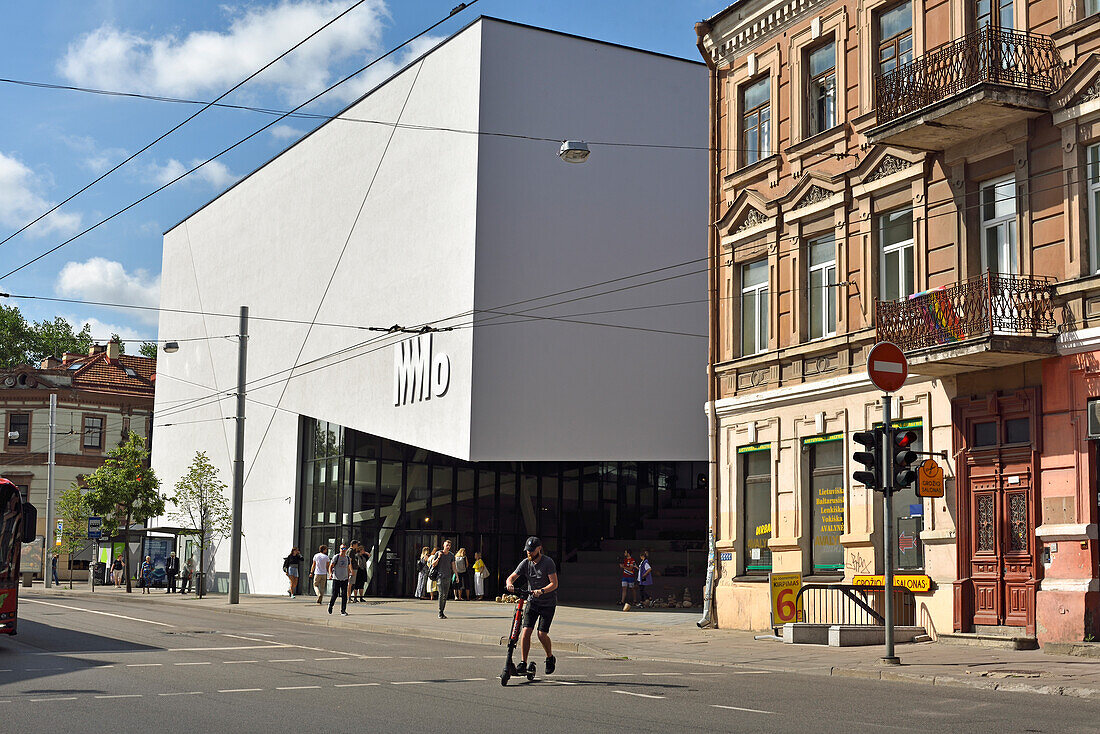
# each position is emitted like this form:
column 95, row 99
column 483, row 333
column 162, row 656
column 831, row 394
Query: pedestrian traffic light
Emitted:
column 904, row 457
column 871, row 459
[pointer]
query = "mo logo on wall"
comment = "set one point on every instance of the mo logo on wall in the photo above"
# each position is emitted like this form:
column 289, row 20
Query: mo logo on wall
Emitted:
column 419, row 371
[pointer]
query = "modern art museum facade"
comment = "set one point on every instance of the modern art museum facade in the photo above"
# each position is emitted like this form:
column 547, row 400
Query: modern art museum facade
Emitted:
column 453, row 332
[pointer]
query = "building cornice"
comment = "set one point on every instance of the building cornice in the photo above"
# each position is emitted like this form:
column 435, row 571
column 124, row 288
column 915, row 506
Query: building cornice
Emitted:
column 732, row 36
column 835, row 387
column 1066, row 531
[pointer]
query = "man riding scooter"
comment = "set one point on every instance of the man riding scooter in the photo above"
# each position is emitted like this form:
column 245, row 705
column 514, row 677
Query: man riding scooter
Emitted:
column 542, row 579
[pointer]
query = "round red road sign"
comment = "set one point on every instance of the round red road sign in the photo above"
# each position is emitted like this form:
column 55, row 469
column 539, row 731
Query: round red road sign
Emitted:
column 887, row 366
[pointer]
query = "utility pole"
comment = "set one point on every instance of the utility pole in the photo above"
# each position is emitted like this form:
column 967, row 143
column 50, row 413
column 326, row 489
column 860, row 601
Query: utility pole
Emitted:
column 888, row 529
column 51, row 532
column 238, row 464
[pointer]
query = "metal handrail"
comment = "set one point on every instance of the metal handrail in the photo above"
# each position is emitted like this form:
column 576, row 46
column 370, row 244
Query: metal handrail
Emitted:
column 989, row 55
column 971, row 309
column 853, row 605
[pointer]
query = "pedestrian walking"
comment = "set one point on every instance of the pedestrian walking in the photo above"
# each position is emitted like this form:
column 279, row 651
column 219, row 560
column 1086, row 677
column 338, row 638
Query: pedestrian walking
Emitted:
column 460, row 581
column 645, row 576
column 362, row 562
column 481, row 572
column 291, row 569
column 53, row 570
column 118, row 571
column 352, row 554
column 339, row 571
column 443, row 565
column 433, row 587
column 146, row 574
column 171, row 571
column 629, row 579
column 188, row 575
column 318, row 570
column 422, row 574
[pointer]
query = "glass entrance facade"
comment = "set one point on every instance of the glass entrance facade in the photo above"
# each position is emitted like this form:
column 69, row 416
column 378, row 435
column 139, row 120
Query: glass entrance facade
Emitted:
column 396, row 499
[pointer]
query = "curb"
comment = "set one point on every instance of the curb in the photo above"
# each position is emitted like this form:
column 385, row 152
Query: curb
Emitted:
column 892, row 675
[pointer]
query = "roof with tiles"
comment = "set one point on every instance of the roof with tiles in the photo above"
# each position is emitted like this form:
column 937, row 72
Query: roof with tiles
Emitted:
column 129, row 374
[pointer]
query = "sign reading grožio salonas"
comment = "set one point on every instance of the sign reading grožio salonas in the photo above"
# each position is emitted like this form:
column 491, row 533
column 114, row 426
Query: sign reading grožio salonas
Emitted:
column 420, row 371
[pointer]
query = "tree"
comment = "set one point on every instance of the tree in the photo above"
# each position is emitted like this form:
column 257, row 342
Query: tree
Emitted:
column 201, row 503
column 124, row 490
column 14, row 337
column 72, row 509
column 148, row 349
column 54, row 338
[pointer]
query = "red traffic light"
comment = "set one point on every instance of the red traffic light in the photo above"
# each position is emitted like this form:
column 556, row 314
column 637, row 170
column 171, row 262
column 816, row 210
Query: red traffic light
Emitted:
column 904, row 440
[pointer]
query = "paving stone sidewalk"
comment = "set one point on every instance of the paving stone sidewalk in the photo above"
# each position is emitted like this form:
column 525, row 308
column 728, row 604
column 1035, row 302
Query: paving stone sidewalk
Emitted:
column 665, row 635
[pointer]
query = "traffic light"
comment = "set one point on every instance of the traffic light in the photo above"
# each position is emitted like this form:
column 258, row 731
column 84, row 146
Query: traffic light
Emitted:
column 871, row 459
column 902, row 441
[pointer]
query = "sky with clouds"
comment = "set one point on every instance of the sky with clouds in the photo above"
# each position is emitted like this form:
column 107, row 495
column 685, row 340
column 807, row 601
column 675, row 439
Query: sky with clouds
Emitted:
column 54, row 142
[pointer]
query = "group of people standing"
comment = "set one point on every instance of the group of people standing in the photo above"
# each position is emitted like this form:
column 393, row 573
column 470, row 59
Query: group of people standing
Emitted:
column 635, row 576
column 145, row 580
column 347, row 570
column 457, row 574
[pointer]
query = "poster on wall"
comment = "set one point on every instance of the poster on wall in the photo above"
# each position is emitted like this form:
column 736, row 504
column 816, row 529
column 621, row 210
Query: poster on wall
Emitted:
column 158, row 549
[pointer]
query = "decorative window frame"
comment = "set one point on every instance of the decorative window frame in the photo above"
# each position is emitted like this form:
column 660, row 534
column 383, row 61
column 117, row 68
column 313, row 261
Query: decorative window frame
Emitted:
column 834, row 24
column 94, row 450
column 1075, row 109
column 30, row 430
column 983, row 224
column 755, row 66
column 868, row 45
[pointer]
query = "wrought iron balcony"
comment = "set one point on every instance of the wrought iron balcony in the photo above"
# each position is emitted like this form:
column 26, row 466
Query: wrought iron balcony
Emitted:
column 986, row 321
column 1001, row 75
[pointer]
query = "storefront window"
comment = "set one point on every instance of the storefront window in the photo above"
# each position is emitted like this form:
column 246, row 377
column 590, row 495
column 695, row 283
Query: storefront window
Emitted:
column 825, row 455
column 756, row 470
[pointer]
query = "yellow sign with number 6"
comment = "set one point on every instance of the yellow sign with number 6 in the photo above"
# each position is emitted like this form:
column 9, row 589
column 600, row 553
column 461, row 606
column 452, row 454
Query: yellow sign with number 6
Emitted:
column 786, row 604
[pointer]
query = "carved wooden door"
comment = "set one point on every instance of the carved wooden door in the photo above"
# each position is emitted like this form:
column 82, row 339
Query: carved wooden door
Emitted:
column 1002, row 555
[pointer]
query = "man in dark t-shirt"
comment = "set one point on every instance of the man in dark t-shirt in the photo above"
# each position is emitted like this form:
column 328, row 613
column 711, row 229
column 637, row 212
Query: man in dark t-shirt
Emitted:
column 542, row 579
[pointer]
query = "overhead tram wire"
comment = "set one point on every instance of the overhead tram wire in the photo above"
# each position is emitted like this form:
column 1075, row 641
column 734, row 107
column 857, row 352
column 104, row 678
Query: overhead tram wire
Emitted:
column 205, row 107
column 459, row 8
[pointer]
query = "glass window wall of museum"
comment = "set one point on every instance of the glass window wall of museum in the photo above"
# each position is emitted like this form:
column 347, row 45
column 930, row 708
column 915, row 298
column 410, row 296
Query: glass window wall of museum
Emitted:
column 397, row 499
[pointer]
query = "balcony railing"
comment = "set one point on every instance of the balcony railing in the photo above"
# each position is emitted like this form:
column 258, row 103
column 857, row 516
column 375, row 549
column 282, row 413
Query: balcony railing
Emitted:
column 1009, row 305
column 989, row 55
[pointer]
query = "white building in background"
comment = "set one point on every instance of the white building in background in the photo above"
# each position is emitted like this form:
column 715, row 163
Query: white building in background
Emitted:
column 558, row 397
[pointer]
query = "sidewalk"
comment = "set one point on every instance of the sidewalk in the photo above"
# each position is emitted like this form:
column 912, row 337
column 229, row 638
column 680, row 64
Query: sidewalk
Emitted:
column 664, row 636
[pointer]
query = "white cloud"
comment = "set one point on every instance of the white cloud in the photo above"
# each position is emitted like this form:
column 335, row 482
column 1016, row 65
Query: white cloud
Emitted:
column 211, row 61
column 100, row 279
column 20, row 201
column 213, row 173
column 101, row 331
column 95, row 159
column 285, row 132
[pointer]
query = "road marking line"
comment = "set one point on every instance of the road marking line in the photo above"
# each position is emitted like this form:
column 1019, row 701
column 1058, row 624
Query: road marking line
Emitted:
column 38, row 669
column 332, row 658
column 238, row 690
column 612, row 675
column 467, row 680
column 639, row 695
column 144, row 665
column 662, row 673
column 294, row 688
column 182, row 693
column 413, row 657
column 65, row 698
column 560, row 682
column 238, row 662
column 93, row 611
column 124, row 695
column 739, row 708
column 355, row 685
column 406, row 682
column 205, row 663
column 459, row 657
column 380, row 657
column 290, row 660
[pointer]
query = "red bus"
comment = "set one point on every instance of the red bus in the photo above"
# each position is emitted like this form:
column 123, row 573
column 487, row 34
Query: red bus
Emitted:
column 17, row 525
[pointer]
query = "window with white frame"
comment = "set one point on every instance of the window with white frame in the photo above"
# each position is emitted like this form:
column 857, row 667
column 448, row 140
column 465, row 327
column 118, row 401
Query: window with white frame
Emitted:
column 754, row 307
column 822, row 280
column 756, row 121
column 821, row 70
column 1094, row 206
column 1092, row 7
column 895, row 236
column 999, row 225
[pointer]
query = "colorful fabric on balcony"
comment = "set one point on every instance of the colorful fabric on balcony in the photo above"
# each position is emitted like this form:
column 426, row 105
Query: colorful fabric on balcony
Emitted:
column 937, row 313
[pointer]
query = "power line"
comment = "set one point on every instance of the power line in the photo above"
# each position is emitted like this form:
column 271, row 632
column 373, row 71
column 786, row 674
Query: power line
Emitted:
column 395, row 49
column 161, row 137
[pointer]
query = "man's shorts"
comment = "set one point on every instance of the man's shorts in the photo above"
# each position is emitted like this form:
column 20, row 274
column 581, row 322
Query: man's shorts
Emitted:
column 541, row 613
column 629, row 584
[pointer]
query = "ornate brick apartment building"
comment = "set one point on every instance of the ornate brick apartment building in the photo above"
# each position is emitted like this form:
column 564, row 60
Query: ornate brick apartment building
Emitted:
column 925, row 172
column 101, row 396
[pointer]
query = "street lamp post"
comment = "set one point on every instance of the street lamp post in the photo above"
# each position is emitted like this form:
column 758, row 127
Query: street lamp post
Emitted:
column 238, row 464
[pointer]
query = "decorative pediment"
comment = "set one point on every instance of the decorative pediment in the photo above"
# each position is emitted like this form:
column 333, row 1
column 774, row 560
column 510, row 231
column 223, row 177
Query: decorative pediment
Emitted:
column 752, row 218
column 746, row 217
column 814, row 195
column 881, row 165
column 888, row 166
column 1082, row 86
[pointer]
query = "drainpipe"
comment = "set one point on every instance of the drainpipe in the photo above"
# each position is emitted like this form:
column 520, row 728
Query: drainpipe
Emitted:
column 710, row 615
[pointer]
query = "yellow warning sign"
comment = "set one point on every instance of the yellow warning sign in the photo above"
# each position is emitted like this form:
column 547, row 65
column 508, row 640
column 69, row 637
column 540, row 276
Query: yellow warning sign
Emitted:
column 930, row 479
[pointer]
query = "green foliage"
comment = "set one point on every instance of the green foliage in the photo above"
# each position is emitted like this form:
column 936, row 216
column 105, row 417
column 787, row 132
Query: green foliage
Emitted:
column 23, row 342
column 201, row 506
column 72, row 509
column 121, row 344
column 125, row 490
column 148, row 349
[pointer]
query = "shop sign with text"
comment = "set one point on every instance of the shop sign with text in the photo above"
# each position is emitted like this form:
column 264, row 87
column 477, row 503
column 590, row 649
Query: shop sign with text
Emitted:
column 914, row 582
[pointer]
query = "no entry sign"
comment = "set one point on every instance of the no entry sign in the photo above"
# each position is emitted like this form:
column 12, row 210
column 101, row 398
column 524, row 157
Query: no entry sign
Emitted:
column 887, row 366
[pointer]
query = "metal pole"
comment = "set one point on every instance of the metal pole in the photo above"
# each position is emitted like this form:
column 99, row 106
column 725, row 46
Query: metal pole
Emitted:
column 238, row 464
column 888, row 531
column 51, row 532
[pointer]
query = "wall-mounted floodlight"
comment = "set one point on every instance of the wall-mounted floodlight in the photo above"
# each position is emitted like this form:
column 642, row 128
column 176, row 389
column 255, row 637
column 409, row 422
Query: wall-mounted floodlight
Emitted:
column 171, row 347
column 12, row 435
column 573, row 151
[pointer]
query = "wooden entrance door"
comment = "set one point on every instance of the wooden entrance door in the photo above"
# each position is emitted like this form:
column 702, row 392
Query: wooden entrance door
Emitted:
column 1001, row 545
column 997, row 440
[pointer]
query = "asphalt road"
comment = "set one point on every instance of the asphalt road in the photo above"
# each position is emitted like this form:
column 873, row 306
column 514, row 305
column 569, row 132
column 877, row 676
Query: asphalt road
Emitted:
column 100, row 665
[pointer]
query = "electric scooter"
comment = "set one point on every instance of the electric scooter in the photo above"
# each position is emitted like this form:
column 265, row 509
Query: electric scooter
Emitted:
column 513, row 640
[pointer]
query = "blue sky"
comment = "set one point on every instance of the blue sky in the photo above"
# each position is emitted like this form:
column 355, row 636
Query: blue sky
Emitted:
column 53, row 142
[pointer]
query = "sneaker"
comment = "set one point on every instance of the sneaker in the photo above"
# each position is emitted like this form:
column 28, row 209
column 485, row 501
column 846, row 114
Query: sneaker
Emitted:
column 330, row 610
column 521, row 669
column 344, row 614
column 442, row 615
column 551, row 663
